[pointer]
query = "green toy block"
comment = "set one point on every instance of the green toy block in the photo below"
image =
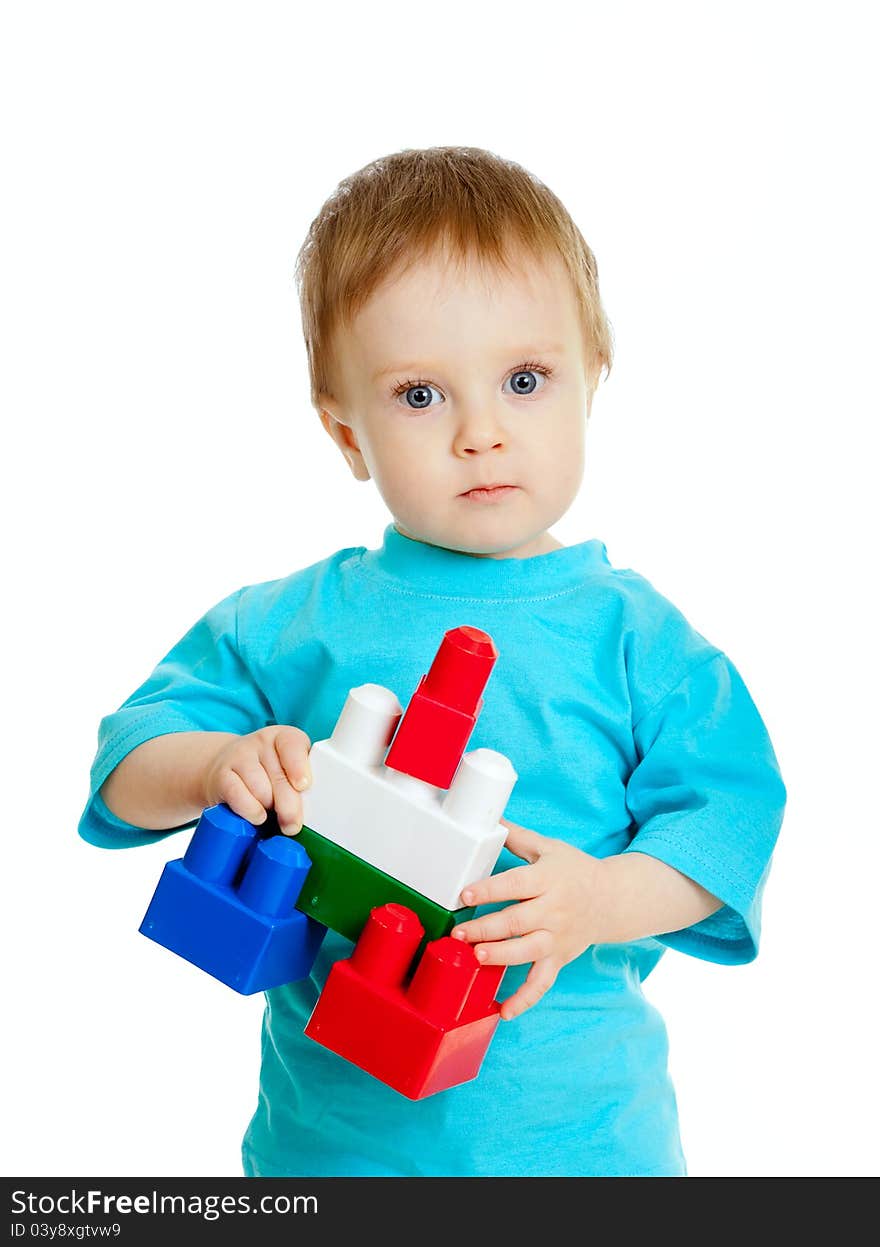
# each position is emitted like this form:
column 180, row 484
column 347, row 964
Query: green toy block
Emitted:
column 341, row 889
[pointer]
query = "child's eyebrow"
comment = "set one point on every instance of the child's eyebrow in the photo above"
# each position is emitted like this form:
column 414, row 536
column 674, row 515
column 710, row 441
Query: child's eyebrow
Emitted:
column 417, row 369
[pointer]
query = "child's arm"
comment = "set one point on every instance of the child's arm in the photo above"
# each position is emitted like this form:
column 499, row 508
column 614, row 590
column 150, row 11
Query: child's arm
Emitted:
column 167, row 781
column 570, row 900
column 161, row 783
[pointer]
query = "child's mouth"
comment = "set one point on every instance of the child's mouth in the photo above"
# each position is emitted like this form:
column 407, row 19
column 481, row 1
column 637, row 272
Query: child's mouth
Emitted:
column 496, row 494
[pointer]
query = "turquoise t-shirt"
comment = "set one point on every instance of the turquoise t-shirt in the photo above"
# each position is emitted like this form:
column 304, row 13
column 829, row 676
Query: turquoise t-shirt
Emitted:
column 628, row 731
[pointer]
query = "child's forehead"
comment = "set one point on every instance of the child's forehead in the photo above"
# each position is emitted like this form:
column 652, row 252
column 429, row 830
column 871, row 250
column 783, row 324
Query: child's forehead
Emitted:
column 439, row 287
column 446, row 271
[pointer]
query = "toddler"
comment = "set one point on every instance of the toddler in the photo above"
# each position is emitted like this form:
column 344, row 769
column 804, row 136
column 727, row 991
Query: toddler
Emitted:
column 455, row 339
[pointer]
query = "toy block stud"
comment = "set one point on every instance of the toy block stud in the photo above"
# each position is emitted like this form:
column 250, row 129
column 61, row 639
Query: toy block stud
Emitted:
column 228, row 905
column 387, row 945
column 418, row 1038
column 366, row 724
column 444, row 708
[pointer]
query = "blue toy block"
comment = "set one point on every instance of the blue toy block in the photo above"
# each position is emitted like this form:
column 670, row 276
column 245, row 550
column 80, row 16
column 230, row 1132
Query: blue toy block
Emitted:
column 228, row 905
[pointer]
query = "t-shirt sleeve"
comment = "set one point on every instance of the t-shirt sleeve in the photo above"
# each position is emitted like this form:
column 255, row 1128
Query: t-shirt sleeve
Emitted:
column 707, row 798
column 202, row 684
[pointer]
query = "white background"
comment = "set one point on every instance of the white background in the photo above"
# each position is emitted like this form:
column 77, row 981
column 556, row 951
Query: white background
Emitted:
column 162, row 163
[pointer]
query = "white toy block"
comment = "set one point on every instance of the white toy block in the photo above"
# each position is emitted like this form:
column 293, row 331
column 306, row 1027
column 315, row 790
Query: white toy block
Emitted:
column 367, row 723
column 433, row 840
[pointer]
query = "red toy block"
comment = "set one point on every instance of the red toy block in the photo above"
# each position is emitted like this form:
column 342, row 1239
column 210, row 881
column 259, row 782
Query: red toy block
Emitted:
column 441, row 715
column 418, row 1037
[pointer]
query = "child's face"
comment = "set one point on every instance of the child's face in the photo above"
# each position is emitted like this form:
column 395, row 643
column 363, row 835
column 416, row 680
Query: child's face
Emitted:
column 450, row 378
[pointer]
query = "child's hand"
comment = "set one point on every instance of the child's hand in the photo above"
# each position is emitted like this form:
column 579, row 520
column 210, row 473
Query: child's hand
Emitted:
column 261, row 771
column 554, row 922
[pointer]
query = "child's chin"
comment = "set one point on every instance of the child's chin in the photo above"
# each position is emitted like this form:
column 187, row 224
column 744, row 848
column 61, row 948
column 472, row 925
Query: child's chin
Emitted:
column 499, row 544
column 475, row 530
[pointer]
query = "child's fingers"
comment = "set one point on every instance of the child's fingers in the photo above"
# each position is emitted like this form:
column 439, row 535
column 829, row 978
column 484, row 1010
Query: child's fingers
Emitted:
column 523, row 841
column 292, row 747
column 516, row 884
column 286, row 803
column 537, row 983
column 291, row 775
column 248, row 766
column 286, row 765
column 238, row 796
column 515, row 952
column 508, row 923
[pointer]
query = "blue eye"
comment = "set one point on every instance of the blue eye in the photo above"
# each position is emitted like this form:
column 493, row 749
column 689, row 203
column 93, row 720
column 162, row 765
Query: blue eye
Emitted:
column 418, row 394
column 525, row 381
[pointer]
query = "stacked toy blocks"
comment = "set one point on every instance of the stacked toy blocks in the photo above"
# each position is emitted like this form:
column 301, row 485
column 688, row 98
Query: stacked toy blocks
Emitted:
column 227, row 905
column 421, row 1036
column 425, row 816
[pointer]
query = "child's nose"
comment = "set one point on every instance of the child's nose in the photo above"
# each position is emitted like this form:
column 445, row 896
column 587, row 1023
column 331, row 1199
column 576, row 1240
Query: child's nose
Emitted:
column 478, row 430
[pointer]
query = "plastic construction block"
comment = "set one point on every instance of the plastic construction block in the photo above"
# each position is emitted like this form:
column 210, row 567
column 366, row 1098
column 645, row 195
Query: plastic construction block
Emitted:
column 228, row 905
column 421, row 1036
column 341, row 890
column 444, row 708
column 432, row 841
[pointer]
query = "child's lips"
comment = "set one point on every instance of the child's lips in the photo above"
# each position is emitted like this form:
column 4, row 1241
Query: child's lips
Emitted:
column 497, row 493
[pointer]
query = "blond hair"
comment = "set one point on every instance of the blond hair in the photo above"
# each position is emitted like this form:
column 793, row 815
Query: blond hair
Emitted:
column 401, row 207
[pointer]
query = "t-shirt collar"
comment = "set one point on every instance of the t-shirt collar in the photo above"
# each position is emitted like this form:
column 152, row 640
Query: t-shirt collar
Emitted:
column 451, row 573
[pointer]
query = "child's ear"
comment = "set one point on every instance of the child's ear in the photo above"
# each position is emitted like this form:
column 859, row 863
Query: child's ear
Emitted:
column 343, row 435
